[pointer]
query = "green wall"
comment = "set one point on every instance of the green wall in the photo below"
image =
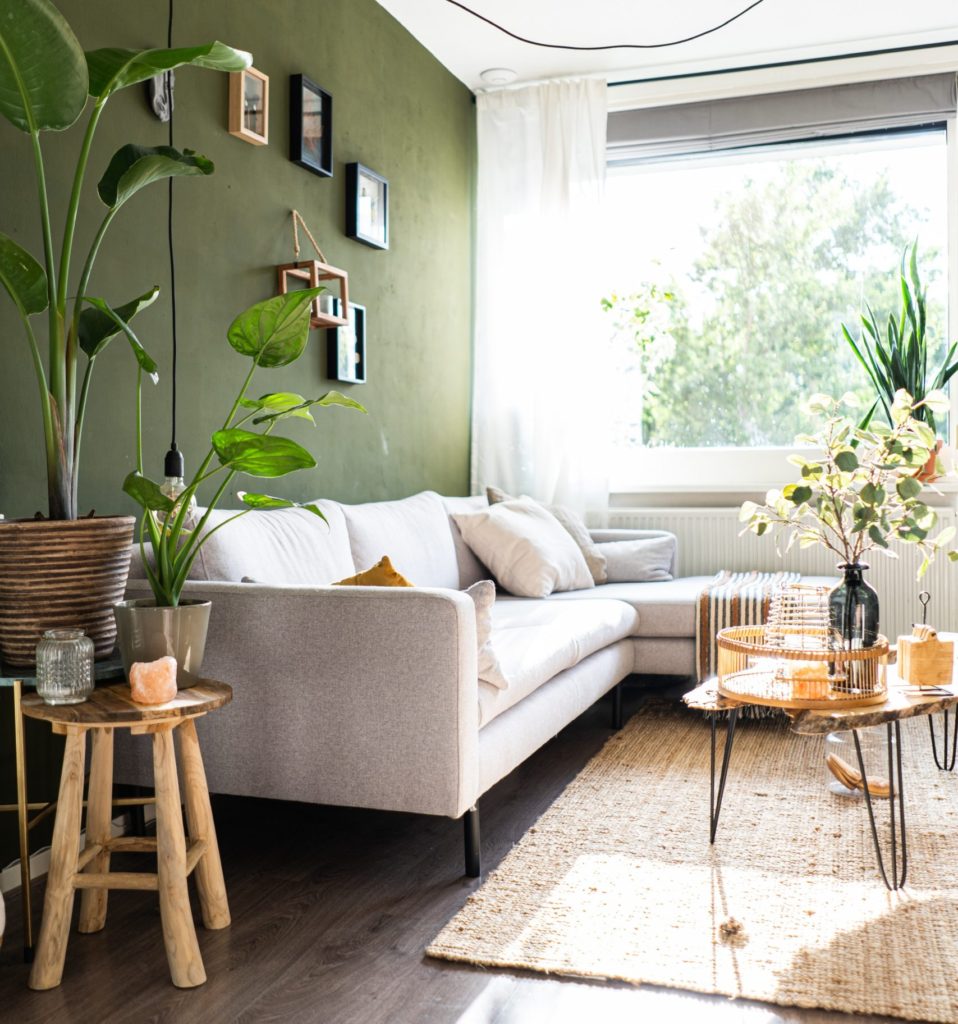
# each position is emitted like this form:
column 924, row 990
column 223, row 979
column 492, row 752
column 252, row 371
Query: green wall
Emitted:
column 397, row 110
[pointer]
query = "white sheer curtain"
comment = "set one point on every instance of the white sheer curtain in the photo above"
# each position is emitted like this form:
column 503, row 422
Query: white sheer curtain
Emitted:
column 539, row 418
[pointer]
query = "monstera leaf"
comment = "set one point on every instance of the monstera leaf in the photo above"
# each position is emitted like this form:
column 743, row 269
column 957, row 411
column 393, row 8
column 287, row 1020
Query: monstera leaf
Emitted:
column 260, row 454
column 274, row 332
column 43, row 73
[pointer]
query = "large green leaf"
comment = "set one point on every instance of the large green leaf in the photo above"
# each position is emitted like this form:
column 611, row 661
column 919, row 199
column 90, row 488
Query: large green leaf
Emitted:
column 22, row 276
column 146, row 493
column 260, row 454
column 305, row 404
column 96, row 328
column 280, row 404
column 43, row 74
column 113, row 69
column 142, row 356
column 274, row 332
column 135, row 167
column 267, row 502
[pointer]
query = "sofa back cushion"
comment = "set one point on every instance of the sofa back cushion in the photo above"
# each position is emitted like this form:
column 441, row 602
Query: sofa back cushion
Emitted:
column 471, row 570
column 288, row 545
column 416, row 534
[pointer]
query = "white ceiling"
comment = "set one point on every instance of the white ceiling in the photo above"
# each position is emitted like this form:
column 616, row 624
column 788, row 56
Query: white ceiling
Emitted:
column 774, row 31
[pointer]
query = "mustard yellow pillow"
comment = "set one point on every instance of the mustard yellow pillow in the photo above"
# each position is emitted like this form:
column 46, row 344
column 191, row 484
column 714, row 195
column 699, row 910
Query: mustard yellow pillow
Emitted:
column 382, row 574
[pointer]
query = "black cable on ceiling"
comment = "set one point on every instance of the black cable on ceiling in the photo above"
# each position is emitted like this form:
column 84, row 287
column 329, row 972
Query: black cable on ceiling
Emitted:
column 608, row 46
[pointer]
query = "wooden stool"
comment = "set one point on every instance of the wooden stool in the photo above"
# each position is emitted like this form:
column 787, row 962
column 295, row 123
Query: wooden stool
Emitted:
column 109, row 708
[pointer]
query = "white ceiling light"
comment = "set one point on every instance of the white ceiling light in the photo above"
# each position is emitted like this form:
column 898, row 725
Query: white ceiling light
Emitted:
column 498, row 76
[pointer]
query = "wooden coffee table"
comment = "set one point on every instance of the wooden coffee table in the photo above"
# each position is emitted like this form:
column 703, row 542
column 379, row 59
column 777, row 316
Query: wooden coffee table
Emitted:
column 903, row 702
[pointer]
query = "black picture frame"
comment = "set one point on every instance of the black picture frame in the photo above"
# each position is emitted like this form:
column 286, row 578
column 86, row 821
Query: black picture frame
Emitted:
column 310, row 126
column 367, row 206
column 346, row 346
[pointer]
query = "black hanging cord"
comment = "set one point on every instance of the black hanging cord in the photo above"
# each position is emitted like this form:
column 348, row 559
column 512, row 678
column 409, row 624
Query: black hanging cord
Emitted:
column 609, row 46
column 169, row 226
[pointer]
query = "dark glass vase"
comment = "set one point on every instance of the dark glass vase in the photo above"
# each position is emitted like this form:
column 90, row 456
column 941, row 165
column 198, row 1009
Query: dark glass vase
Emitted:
column 853, row 608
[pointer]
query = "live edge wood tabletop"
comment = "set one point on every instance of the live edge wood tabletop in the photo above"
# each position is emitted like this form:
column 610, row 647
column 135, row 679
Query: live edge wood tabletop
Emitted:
column 109, row 708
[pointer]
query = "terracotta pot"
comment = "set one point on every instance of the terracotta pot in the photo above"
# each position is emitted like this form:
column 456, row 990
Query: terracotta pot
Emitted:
column 146, row 632
column 61, row 574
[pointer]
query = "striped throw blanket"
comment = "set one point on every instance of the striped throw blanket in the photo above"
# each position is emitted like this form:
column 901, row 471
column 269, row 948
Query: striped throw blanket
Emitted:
column 732, row 599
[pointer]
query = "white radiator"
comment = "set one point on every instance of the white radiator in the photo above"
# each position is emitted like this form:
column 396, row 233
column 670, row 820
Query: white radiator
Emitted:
column 709, row 541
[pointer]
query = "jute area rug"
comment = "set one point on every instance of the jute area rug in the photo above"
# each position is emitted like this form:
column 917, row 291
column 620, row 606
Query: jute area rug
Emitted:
column 617, row 879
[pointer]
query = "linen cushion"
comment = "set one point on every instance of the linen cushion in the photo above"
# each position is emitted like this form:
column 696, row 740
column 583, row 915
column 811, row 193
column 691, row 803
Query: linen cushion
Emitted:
column 416, row 532
column 526, row 549
column 574, row 526
column 287, row 545
column 471, row 570
column 382, row 574
column 536, row 640
column 483, row 595
column 646, row 560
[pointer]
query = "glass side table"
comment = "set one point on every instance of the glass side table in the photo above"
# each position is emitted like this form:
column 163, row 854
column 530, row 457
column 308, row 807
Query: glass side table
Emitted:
column 16, row 680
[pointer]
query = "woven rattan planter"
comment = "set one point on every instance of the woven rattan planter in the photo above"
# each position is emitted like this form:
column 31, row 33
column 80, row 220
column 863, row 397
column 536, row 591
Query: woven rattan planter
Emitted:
column 801, row 670
column 58, row 574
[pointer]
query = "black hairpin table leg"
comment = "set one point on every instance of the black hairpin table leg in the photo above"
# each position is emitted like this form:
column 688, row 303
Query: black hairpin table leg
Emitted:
column 895, row 797
column 947, row 760
column 715, row 805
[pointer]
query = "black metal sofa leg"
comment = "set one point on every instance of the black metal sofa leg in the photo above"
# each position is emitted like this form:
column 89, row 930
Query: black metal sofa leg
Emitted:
column 470, row 831
column 617, row 706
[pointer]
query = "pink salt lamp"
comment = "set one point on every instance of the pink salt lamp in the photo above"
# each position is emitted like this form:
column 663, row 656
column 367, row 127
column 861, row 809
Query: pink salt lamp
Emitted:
column 153, row 682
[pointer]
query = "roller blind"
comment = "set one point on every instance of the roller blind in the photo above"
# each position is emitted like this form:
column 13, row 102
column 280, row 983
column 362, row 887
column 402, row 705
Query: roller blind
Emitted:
column 657, row 132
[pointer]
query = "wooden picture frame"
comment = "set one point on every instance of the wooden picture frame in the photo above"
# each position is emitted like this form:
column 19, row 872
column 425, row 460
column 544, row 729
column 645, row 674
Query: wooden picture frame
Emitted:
column 310, row 126
column 367, row 206
column 346, row 346
column 249, row 106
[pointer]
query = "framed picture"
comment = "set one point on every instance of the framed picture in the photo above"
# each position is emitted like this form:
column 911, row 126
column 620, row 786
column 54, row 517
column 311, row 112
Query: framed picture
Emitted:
column 249, row 106
column 367, row 206
column 346, row 346
column 310, row 126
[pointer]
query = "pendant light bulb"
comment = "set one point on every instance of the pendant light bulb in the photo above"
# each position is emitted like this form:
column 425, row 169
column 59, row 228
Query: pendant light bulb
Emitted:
column 173, row 482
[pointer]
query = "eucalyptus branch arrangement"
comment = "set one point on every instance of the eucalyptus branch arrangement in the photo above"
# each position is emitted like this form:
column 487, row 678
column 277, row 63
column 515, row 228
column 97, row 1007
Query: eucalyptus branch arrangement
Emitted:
column 862, row 492
column 272, row 333
column 45, row 81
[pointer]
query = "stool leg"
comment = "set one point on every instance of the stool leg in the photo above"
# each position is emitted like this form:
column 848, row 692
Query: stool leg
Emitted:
column 99, row 815
column 199, row 817
column 47, row 970
column 179, row 935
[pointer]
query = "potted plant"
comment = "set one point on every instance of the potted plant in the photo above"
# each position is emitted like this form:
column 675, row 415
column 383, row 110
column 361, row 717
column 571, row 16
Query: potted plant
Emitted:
column 45, row 81
column 272, row 333
column 858, row 493
column 899, row 360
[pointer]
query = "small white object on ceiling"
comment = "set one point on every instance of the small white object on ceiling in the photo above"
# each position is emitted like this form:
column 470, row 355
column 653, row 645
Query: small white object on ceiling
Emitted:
column 498, row 76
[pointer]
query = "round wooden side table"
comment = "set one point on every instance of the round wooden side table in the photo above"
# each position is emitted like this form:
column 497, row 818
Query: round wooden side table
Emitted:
column 109, row 708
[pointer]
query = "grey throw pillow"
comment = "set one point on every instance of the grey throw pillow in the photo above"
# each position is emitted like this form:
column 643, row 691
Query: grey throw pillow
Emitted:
column 646, row 560
column 574, row 526
column 483, row 596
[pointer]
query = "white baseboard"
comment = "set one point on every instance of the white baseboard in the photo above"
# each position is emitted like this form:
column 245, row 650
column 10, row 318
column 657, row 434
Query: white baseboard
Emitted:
column 40, row 860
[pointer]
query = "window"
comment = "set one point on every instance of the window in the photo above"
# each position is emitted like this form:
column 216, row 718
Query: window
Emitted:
column 729, row 274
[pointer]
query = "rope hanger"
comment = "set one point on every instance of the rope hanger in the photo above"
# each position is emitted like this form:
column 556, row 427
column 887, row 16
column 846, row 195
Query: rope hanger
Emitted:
column 297, row 219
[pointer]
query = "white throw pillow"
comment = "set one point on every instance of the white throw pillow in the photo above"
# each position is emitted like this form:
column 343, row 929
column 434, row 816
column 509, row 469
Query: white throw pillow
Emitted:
column 525, row 548
column 573, row 525
column 646, row 560
column 483, row 595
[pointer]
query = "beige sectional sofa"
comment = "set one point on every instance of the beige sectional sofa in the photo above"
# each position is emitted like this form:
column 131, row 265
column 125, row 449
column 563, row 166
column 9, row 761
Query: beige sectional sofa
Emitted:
column 369, row 696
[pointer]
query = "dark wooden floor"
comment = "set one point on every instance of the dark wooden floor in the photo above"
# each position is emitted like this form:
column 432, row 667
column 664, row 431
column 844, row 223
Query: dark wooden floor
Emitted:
column 332, row 909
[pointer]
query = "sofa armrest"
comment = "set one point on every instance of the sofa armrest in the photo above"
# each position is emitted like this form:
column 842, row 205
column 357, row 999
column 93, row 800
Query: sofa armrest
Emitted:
column 362, row 696
column 607, row 536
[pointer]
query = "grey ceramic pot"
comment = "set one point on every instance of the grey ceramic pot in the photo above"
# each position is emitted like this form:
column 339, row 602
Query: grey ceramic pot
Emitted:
column 145, row 633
